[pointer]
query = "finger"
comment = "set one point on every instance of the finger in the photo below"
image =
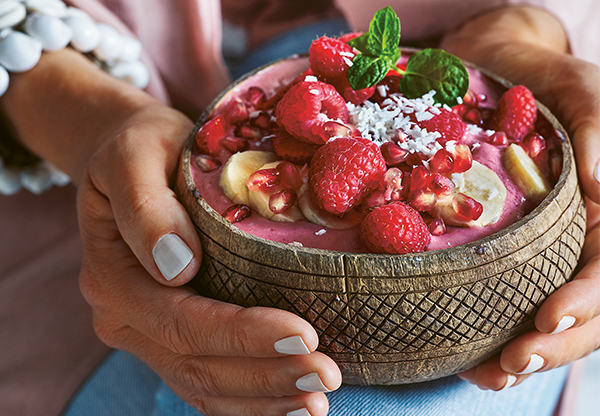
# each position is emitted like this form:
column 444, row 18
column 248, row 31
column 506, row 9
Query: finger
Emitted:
column 314, row 404
column 535, row 351
column 489, row 375
column 576, row 303
column 217, row 376
column 134, row 172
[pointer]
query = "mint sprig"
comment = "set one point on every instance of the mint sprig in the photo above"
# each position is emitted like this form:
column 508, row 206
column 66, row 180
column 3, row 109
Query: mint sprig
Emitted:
column 429, row 69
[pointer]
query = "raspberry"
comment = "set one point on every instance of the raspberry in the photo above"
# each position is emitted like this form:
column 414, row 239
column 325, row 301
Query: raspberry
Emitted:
column 347, row 37
column 395, row 228
column 356, row 97
column 307, row 106
column 448, row 124
column 289, row 148
column 343, row 171
column 516, row 113
column 330, row 57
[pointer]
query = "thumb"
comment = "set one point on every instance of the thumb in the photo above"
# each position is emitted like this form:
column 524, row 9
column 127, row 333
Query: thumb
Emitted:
column 134, row 171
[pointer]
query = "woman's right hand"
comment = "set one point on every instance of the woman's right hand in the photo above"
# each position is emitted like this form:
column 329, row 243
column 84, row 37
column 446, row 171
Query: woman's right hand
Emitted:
column 220, row 358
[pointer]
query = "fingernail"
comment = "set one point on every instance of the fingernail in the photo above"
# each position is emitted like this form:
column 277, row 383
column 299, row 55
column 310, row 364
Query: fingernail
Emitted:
column 535, row 363
column 565, row 323
column 293, row 346
column 311, row 383
column 597, row 172
column 171, row 255
column 299, row 412
column 510, row 381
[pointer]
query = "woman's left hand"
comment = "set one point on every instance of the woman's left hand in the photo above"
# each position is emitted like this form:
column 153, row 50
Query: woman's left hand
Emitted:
column 523, row 45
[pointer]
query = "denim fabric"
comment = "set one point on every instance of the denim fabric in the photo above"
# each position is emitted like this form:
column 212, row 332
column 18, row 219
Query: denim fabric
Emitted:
column 122, row 385
column 450, row 396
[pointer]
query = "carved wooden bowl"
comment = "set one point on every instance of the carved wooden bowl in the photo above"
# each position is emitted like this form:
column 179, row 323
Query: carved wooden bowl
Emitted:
column 395, row 319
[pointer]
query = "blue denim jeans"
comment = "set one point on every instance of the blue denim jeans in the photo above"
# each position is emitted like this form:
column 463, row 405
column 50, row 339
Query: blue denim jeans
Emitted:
column 123, row 385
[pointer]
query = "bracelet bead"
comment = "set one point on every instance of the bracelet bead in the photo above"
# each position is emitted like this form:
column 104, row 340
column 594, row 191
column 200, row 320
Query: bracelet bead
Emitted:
column 30, row 27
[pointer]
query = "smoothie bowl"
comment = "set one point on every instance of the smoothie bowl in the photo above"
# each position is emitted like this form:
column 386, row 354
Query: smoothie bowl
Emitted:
column 491, row 223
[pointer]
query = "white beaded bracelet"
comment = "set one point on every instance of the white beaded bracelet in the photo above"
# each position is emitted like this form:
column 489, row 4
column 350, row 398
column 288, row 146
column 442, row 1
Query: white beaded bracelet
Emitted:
column 30, row 27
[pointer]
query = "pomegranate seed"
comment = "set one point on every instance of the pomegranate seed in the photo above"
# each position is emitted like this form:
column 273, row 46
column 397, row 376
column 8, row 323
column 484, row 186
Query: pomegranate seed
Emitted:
column 336, row 129
column 288, row 172
column 393, row 184
column 419, row 179
column 460, row 109
column 440, row 185
column 442, row 162
column 236, row 111
column 414, row 159
column 393, row 154
column 555, row 162
column 282, row 200
column 437, row 227
column 473, row 116
column 534, row 144
column 374, row 200
column 471, row 99
column 262, row 121
column 263, row 179
column 466, row 207
column 255, row 97
column 210, row 135
column 423, row 200
column 248, row 132
column 481, row 98
column 463, row 158
column 207, row 163
column 235, row 144
column 237, row 212
column 499, row 138
column 400, row 136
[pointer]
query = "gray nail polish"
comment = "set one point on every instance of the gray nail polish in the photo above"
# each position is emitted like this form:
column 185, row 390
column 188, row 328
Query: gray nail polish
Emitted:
column 535, row 363
column 299, row 412
column 171, row 255
column 311, row 383
column 292, row 345
column 510, row 381
column 565, row 323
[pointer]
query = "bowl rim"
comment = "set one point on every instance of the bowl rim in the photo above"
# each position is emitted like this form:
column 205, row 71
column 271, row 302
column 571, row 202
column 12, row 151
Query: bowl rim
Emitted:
column 568, row 166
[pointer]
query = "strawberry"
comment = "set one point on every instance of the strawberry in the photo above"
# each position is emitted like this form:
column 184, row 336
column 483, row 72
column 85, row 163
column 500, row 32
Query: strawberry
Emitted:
column 448, row 124
column 343, row 171
column 516, row 113
column 289, row 148
column 208, row 138
column 307, row 106
column 395, row 228
column 330, row 58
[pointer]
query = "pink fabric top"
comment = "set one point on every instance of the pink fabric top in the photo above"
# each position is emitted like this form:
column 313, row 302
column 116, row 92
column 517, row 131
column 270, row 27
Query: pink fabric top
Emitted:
column 47, row 344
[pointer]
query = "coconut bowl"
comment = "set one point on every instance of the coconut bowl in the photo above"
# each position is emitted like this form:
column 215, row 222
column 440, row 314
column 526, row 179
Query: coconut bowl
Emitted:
column 396, row 319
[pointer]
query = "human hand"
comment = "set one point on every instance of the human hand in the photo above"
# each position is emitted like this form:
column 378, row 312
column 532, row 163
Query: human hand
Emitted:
column 567, row 325
column 220, row 358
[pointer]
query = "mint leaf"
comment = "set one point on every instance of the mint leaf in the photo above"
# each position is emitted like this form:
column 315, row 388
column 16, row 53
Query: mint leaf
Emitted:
column 360, row 42
column 366, row 71
column 435, row 69
column 384, row 33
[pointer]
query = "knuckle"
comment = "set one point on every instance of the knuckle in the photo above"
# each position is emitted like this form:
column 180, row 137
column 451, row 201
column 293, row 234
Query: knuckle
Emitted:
column 108, row 333
column 176, row 332
column 197, row 377
column 263, row 382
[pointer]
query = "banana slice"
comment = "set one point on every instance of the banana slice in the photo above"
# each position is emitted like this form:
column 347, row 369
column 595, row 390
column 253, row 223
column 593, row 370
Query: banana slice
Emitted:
column 318, row 216
column 237, row 170
column 525, row 173
column 259, row 201
column 483, row 185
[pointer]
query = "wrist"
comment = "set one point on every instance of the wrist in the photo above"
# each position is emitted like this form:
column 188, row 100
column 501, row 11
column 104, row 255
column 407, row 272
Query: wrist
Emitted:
column 65, row 107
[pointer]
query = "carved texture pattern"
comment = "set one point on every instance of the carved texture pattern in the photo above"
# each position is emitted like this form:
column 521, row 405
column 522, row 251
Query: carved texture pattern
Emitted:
column 411, row 321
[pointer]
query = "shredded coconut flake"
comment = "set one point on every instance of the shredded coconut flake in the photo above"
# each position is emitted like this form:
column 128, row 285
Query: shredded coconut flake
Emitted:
column 296, row 244
column 321, row 231
column 314, row 91
column 348, row 61
column 310, row 78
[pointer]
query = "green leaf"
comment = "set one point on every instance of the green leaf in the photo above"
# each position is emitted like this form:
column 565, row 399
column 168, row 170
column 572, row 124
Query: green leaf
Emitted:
column 384, row 33
column 360, row 42
column 435, row 69
column 366, row 71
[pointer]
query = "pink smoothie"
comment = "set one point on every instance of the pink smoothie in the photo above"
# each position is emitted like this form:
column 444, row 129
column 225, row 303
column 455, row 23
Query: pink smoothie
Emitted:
column 307, row 234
